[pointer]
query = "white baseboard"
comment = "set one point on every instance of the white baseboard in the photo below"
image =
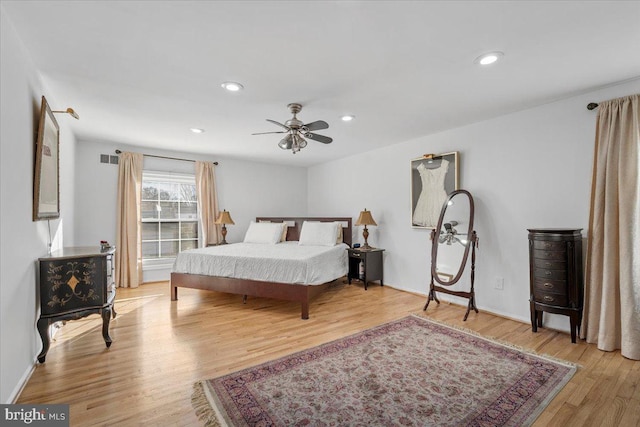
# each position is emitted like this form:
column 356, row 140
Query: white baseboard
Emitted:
column 21, row 384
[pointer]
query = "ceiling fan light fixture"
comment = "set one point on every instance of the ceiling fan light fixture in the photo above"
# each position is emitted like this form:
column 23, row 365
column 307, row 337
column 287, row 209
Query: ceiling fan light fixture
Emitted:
column 488, row 58
column 197, row 130
column 297, row 131
column 347, row 117
column 232, row 86
column 285, row 143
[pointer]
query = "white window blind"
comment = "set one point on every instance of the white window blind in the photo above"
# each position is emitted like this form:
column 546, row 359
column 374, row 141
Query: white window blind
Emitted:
column 169, row 216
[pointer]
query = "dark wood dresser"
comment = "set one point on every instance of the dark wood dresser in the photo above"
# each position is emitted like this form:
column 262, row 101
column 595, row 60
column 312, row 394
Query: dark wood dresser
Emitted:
column 555, row 272
column 74, row 283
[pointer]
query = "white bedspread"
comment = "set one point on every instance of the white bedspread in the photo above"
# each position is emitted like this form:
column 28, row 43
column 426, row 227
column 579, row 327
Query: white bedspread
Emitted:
column 285, row 262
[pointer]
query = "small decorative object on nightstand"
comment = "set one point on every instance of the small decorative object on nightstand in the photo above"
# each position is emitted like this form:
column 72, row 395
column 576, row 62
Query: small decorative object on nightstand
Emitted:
column 365, row 219
column 555, row 269
column 371, row 262
column 224, row 218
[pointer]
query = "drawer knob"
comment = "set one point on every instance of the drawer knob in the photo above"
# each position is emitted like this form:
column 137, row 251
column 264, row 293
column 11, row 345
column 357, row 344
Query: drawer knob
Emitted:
column 548, row 285
column 547, row 298
column 548, row 264
column 547, row 245
column 548, row 273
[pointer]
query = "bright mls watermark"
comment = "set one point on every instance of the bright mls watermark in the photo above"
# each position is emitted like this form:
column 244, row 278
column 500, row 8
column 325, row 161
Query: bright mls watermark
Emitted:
column 34, row 415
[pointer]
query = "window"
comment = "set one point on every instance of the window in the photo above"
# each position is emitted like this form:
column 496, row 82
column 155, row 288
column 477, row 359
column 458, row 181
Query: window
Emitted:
column 169, row 216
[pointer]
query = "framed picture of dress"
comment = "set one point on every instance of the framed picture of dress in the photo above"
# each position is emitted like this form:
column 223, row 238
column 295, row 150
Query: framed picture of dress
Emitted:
column 433, row 177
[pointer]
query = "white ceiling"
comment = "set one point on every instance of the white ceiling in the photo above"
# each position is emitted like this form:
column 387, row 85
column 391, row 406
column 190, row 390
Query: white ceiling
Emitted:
column 144, row 72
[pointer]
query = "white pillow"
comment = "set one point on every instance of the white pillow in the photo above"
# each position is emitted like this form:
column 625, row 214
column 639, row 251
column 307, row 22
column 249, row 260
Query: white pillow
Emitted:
column 263, row 232
column 285, row 227
column 318, row 233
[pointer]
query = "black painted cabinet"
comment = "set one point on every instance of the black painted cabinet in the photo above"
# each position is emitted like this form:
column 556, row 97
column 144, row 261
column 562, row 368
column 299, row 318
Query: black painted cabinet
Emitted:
column 74, row 283
column 556, row 279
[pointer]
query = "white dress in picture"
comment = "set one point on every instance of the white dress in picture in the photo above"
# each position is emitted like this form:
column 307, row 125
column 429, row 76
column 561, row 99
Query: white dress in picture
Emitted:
column 433, row 195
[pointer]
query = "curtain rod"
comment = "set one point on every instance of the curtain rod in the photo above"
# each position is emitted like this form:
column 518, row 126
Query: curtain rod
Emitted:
column 168, row 158
column 592, row 106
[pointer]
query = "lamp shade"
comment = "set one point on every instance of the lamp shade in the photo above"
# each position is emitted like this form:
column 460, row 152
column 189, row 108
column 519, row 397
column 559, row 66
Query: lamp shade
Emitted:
column 365, row 218
column 224, row 218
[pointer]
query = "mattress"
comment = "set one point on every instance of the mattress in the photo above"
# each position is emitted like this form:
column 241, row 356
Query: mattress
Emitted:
column 285, row 262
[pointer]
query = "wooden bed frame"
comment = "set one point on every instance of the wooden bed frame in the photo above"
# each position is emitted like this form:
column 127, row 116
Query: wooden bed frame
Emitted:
column 281, row 291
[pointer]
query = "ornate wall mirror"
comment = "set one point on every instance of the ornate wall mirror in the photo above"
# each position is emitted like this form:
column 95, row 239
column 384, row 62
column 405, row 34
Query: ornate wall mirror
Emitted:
column 452, row 240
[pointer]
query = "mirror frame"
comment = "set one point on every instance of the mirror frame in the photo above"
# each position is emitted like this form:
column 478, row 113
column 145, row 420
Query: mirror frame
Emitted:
column 436, row 244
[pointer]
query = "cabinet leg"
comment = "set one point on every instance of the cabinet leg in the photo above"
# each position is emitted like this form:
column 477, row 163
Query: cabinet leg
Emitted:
column 106, row 317
column 573, row 322
column 539, row 313
column 43, row 328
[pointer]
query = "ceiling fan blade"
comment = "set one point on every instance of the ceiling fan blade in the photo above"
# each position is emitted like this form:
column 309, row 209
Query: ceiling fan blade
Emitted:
column 264, row 133
column 279, row 124
column 319, row 138
column 317, row 125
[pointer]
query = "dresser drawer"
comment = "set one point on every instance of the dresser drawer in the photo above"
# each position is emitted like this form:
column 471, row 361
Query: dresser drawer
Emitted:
column 551, row 299
column 549, row 264
column 550, row 286
column 550, row 246
column 354, row 254
column 557, row 255
column 543, row 273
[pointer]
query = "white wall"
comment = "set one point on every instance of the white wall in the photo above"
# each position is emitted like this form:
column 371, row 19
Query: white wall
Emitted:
column 22, row 240
column 526, row 169
column 246, row 189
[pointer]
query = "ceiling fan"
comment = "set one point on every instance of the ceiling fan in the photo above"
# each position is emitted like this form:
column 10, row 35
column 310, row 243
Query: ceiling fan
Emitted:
column 297, row 131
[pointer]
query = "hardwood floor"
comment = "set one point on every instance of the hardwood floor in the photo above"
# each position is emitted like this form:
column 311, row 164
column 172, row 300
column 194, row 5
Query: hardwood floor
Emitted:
column 160, row 348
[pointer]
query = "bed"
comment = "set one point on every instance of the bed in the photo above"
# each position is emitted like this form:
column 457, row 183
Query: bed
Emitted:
column 297, row 292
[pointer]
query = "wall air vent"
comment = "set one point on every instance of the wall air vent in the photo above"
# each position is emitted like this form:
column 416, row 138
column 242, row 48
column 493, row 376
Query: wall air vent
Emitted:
column 108, row 159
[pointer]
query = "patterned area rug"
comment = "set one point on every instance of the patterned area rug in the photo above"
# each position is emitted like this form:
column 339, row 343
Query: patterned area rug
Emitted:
column 411, row 372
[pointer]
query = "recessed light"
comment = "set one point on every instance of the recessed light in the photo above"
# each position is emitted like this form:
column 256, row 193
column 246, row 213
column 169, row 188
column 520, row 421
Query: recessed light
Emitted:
column 197, row 130
column 232, row 86
column 348, row 117
column 488, row 58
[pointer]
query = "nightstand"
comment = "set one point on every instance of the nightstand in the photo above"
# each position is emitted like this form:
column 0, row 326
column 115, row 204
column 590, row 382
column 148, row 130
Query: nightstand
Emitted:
column 372, row 263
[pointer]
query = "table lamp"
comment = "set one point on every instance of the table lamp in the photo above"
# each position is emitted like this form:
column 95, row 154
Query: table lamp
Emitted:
column 365, row 219
column 224, row 218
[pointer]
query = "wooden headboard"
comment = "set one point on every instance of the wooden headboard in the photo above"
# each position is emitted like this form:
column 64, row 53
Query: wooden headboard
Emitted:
column 295, row 225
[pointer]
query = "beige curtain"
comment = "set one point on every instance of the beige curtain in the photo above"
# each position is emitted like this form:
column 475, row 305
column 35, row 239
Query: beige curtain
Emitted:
column 612, row 286
column 207, row 202
column 128, row 242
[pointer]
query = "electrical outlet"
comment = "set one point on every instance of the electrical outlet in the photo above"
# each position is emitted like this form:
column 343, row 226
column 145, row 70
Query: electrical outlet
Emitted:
column 499, row 283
